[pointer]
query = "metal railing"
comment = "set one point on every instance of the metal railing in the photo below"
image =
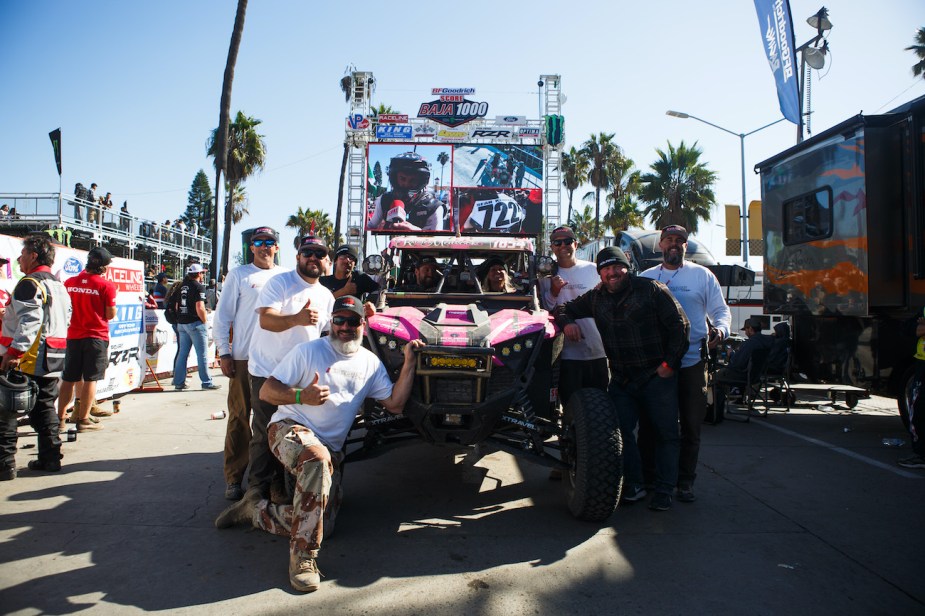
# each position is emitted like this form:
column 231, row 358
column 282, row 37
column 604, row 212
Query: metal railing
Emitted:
column 99, row 224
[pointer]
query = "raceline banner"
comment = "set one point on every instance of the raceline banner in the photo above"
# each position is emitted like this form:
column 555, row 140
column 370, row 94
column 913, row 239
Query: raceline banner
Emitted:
column 777, row 37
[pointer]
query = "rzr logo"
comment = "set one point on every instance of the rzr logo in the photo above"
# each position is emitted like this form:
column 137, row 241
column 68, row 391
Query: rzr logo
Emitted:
column 123, row 356
column 499, row 134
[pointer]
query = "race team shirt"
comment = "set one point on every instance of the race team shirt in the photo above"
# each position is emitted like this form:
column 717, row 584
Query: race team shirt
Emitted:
column 286, row 293
column 351, row 378
column 90, row 295
column 190, row 293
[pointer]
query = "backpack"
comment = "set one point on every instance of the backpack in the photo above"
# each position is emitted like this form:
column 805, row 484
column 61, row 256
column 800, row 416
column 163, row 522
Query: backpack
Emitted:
column 170, row 304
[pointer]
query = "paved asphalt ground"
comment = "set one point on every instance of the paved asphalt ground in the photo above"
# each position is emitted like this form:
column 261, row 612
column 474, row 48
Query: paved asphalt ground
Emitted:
column 803, row 513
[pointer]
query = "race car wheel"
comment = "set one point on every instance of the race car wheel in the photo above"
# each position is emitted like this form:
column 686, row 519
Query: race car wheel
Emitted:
column 594, row 452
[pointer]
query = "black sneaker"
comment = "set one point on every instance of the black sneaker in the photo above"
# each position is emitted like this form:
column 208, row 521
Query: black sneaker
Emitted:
column 912, row 462
column 7, row 473
column 660, row 502
column 49, row 466
column 686, row 494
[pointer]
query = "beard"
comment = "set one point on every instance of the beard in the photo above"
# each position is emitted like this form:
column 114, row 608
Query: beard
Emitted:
column 346, row 347
column 674, row 256
column 309, row 270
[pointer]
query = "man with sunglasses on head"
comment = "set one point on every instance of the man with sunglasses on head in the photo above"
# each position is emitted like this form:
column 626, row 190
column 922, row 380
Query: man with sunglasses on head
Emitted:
column 233, row 326
column 584, row 362
column 293, row 308
column 345, row 280
column 319, row 387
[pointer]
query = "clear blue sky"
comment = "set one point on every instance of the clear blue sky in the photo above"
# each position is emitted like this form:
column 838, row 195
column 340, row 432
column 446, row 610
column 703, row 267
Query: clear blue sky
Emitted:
column 135, row 86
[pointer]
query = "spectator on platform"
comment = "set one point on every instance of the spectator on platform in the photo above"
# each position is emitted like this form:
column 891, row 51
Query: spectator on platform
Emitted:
column 106, row 201
column 4, row 211
column 93, row 299
column 125, row 222
column 13, row 214
column 94, row 212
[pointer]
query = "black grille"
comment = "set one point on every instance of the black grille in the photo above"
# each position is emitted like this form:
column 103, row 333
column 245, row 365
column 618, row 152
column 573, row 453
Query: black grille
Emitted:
column 445, row 390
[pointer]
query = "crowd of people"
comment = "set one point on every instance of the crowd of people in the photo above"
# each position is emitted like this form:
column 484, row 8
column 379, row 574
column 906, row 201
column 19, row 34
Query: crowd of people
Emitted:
column 290, row 343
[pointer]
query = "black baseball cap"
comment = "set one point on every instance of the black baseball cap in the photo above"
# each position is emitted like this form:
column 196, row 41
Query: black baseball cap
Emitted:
column 425, row 260
column 350, row 304
column 100, row 256
column 269, row 232
column 312, row 241
column 562, row 233
column 753, row 322
column 673, row 230
column 348, row 250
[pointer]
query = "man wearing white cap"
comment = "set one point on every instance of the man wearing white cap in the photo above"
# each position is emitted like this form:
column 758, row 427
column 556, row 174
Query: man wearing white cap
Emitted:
column 191, row 328
column 237, row 313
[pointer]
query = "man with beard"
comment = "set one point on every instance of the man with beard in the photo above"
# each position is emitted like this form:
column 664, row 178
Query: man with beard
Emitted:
column 293, row 308
column 645, row 333
column 233, row 326
column 698, row 291
column 320, row 386
column 425, row 276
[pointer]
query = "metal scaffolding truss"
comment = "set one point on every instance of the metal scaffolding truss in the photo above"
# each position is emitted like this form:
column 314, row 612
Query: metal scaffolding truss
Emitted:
column 552, row 176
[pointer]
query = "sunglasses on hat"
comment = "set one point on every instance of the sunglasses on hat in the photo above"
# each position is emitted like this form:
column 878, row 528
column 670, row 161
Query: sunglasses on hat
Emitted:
column 351, row 321
column 268, row 243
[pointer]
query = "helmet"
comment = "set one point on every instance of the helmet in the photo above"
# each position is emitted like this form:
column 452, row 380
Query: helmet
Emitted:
column 412, row 164
column 18, row 393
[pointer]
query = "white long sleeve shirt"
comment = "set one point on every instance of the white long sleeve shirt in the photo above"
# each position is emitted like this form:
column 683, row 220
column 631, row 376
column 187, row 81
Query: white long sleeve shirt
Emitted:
column 237, row 309
column 697, row 290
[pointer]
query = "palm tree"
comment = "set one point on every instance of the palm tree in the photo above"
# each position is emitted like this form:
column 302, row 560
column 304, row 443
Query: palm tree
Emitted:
column 247, row 154
column 239, row 202
column 624, row 187
column 584, row 224
column 599, row 149
column 919, row 48
column 221, row 147
column 574, row 166
column 679, row 190
column 304, row 220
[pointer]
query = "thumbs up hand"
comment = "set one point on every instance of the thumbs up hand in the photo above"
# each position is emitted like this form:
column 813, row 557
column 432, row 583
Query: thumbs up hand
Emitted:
column 315, row 394
column 306, row 316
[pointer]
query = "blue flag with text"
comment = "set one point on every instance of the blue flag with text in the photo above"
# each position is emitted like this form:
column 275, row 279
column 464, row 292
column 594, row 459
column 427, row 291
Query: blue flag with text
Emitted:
column 777, row 36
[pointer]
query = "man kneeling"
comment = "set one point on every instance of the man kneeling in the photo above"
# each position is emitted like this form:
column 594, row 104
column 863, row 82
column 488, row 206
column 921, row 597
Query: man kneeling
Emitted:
column 319, row 387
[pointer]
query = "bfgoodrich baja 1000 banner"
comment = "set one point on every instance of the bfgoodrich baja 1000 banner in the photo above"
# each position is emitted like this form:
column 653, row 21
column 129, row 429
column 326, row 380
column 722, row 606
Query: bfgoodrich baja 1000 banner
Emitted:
column 442, row 188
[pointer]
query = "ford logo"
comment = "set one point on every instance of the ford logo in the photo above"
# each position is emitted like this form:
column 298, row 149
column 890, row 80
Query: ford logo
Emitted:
column 510, row 118
column 73, row 266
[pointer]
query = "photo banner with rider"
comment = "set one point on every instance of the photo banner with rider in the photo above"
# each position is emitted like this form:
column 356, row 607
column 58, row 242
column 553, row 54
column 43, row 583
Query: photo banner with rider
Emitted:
column 444, row 187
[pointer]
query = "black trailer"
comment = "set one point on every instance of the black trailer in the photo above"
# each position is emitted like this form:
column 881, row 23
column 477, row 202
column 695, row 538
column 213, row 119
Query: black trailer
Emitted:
column 844, row 234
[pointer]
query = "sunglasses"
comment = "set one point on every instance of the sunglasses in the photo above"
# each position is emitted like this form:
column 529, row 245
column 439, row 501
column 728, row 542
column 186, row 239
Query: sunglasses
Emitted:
column 318, row 253
column 567, row 242
column 267, row 243
column 351, row 321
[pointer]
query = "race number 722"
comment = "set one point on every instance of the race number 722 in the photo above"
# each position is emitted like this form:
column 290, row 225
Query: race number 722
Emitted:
column 500, row 214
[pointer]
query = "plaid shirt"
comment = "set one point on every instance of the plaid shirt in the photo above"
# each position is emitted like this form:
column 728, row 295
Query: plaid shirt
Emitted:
column 641, row 327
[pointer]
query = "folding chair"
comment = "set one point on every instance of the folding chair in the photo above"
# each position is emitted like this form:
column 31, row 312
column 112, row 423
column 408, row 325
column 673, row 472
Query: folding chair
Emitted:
column 757, row 366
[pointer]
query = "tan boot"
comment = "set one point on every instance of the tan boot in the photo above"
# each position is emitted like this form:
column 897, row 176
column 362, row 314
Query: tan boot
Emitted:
column 242, row 512
column 303, row 573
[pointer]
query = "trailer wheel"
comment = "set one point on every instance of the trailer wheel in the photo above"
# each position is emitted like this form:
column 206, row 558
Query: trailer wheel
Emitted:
column 851, row 400
column 593, row 449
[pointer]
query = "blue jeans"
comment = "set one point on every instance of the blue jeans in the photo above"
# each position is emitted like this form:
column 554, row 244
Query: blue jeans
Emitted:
column 191, row 335
column 657, row 398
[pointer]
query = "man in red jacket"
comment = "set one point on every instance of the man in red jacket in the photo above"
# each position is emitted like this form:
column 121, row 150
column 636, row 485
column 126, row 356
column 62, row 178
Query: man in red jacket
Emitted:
column 93, row 299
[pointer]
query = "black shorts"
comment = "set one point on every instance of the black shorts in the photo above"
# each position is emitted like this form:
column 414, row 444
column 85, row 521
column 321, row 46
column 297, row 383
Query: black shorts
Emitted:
column 85, row 360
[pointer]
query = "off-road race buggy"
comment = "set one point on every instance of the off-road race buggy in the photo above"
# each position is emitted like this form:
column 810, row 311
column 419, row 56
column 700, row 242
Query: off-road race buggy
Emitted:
column 487, row 375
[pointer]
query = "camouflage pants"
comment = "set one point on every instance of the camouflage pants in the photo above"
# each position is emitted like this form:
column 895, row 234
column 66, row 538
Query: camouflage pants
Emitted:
column 318, row 494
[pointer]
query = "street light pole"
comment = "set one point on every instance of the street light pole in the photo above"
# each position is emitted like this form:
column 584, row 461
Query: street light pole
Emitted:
column 741, row 136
